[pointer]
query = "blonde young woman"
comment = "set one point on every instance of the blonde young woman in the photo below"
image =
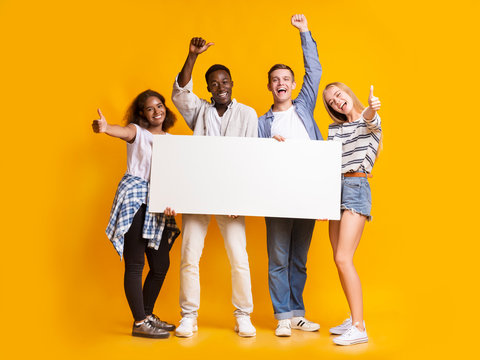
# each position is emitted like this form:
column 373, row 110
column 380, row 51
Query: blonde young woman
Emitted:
column 359, row 130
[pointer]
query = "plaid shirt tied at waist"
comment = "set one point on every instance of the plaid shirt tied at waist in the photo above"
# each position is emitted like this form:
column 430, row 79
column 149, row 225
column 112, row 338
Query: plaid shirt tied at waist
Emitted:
column 132, row 192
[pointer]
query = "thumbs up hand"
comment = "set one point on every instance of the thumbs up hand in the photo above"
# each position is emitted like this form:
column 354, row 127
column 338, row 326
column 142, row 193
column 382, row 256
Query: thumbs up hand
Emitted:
column 373, row 101
column 99, row 125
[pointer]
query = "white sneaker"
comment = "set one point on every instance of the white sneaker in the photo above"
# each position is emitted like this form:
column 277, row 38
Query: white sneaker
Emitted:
column 244, row 327
column 300, row 323
column 352, row 336
column 187, row 327
column 340, row 329
column 283, row 328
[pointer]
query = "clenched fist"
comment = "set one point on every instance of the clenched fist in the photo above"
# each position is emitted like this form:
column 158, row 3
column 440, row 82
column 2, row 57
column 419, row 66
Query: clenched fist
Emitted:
column 300, row 22
column 199, row 45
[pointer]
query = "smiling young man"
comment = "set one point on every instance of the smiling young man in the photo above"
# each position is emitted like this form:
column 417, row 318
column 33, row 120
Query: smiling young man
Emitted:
column 223, row 116
column 288, row 240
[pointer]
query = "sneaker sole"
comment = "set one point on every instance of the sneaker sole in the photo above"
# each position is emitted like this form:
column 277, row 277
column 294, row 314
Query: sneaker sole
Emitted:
column 242, row 334
column 354, row 342
column 337, row 332
column 303, row 329
column 187, row 335
column 152, row 336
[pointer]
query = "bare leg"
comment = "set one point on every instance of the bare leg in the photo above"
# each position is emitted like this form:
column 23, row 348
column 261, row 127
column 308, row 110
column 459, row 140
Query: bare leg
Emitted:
column 349, row 234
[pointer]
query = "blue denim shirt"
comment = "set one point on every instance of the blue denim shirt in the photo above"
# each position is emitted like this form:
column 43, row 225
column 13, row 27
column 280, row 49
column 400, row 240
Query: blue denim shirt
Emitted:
column 307, row 98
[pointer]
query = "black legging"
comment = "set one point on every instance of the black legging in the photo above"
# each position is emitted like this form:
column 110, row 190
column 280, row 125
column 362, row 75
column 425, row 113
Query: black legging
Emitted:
column 135, row 246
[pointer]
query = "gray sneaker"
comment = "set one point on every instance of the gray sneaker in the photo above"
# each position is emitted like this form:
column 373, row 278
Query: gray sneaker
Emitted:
column 148, row 330
column 160, row 323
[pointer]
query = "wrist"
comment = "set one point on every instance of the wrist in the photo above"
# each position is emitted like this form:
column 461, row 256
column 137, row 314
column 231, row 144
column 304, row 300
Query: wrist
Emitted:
column 304, row 29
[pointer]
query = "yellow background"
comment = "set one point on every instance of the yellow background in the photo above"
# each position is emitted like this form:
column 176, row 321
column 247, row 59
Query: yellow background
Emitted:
column 61, row 281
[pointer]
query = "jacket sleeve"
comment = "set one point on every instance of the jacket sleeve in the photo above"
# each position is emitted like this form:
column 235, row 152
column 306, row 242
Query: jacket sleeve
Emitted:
column 313, row 71
column 187, row 103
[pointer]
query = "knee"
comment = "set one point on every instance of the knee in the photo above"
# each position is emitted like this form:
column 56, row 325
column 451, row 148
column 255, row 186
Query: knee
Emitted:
column 343, row 261
column 134, row 268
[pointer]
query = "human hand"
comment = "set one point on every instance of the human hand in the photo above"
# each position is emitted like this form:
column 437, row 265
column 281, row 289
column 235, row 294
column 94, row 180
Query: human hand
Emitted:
column 169, row 212
column 99, row 125
column 198, row 45
column 373, row 101
column 279, row 138
column 300, row 22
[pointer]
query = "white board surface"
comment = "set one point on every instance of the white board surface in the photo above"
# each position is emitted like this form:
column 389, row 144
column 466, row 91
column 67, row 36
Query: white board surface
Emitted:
column 246, row 176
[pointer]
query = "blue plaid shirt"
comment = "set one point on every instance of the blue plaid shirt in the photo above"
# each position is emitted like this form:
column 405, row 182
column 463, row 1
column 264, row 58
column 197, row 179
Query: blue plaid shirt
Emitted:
column 132, row 192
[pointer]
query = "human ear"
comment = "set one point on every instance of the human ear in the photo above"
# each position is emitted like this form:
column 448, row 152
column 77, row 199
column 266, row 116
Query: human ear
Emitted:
column 294, row 85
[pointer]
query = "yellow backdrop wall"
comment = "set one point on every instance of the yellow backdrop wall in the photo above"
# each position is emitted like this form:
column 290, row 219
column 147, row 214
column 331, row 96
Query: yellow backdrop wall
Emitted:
column 62, row 291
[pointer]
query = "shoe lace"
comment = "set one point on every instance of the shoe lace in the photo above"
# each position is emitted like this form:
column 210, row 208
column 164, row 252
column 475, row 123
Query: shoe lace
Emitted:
column 284, row 323
column 157, row 319
column 349, row 331
column 243, row 319
column 185, row 320
column 148, row 323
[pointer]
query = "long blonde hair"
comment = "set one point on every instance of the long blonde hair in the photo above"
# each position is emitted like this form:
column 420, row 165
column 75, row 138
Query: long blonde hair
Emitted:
column 335, row 115
column 339, row 118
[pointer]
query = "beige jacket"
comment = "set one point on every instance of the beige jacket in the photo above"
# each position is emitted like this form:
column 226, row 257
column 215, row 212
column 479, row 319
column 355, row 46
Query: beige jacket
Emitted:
column 239, row 120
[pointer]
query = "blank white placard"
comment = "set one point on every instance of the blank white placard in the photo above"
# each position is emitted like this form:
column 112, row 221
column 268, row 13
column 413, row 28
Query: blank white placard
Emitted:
column 246, row 176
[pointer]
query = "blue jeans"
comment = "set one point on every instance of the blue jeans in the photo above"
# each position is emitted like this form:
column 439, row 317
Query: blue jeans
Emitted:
column 288, row 241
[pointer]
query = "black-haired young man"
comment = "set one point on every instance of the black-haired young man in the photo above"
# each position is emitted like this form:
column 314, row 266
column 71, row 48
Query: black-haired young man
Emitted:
column 223, row 116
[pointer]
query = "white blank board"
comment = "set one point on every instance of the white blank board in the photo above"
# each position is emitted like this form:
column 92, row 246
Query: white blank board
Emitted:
column 246, row 176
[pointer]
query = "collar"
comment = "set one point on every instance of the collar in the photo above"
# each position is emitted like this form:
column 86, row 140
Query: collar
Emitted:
column 232, row 103
column 269, row 115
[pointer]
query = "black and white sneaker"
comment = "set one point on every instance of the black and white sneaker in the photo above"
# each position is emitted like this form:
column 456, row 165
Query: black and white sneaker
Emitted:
column 300, row 323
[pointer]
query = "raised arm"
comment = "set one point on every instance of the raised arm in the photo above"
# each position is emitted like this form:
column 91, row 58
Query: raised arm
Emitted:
column 126, row 133
column 197, row 46
column 313, row 69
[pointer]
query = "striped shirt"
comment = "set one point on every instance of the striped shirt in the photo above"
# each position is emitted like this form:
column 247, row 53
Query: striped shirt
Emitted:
column 360, row 140
column 132, row 192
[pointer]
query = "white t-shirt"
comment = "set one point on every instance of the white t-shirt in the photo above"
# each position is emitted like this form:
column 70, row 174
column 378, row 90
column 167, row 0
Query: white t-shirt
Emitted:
column 289, row 125
column 214, row 122
column 139, row 154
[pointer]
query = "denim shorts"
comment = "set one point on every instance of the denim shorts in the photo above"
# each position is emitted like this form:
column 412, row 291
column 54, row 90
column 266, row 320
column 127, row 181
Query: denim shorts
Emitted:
column 356, row 196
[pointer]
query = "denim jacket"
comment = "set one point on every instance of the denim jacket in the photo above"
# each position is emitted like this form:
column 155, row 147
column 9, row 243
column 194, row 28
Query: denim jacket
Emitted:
column 307, row 98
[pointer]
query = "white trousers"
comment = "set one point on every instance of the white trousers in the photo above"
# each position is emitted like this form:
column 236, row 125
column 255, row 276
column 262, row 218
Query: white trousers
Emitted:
column 194, row 228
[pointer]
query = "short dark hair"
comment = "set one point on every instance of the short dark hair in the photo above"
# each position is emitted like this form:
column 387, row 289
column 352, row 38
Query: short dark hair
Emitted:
column 217, row 67
column 135, row 115
column 280, row 66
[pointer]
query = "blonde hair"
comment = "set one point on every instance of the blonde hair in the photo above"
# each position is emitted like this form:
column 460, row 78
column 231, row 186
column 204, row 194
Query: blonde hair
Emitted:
column 339, row 118
column 335, row 115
